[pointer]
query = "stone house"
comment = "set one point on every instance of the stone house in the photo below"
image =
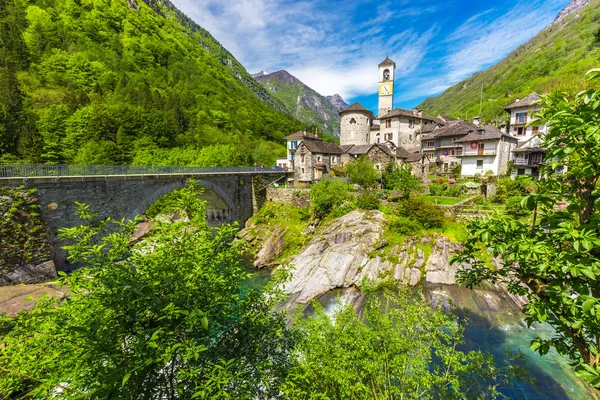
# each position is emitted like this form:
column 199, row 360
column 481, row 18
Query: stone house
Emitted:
column 440, row 145
column 293, row 141
column 313, row 160
column 402, row 127
column 380, row 154
column 528, row 157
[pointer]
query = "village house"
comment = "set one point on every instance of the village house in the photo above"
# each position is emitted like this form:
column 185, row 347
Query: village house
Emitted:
column 439, row 144
column 521, row 113
column 313, row 161
column 292, row 142
column 528, row 157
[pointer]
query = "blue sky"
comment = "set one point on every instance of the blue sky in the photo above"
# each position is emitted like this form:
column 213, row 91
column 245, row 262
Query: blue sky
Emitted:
column 335, row 46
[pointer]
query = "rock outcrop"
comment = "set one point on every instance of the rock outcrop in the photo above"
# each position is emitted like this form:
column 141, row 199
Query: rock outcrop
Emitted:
column 351, row 249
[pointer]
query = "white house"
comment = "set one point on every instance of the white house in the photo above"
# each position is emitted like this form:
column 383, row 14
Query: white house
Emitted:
column 485, row 149
column 521, row 113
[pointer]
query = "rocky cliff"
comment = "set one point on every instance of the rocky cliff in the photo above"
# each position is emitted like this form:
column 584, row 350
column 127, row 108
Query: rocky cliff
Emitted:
column 303, row 102
column 573, row 6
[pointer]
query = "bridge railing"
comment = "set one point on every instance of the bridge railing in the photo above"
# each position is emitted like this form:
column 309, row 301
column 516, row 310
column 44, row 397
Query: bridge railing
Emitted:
column 32, row 170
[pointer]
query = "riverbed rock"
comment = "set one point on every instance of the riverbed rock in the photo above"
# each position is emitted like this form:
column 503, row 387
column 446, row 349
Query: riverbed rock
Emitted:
column 345, row 253
column 271, row 248
column 22, row 297
column 30, row 273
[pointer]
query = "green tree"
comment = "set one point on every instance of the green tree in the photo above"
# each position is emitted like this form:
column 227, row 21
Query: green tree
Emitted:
column 554, row 257
column 327, row 195
column 362, row 172
column 398, row 348
column 400, row 177
column 166, row 318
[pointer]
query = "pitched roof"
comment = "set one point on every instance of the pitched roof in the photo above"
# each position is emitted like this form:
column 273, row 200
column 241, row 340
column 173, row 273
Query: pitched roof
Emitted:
column 400, row 112
column 386, row 62
column 452, row 128
column 302, row 135
column 322, row 147
column 487, row 132
column 356, row 106
column 527, row 101
column 401, row 152
column 360, row 149
column 531, row 145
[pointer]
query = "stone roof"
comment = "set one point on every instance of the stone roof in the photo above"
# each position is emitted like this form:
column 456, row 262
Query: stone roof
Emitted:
column 527, row 101
column 401, row 152
column 488, row 132
column 452, row 128
column 386, row 62
column 356, row 106
column 359, row 149
column 302, row 135
column 400, row 112
column 531, row 145
column 322, row 147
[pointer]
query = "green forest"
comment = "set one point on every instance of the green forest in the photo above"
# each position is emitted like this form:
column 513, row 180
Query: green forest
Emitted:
column 120, row 82
column 556, row 59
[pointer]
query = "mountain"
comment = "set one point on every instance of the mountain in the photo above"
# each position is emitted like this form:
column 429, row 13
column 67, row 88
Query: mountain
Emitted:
column 103, row 81
column 337, row 101
column 555, row 59
column 303, row 102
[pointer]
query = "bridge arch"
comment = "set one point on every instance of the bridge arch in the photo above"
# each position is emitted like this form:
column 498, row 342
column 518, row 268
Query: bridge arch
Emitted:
column 220, row 206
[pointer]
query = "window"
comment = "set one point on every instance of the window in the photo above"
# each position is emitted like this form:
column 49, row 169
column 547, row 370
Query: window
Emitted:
column 318, row 158
column 521, row 118
column 410, row 138
column 535, row 130
column 292, row 157
column 386, row 74
column 520, row 131
column 431, row 143
column 479, row 164
column 388, row 123
column 411, row 123
column 388, row 136
column 302, row 157
column 521, row 171
column 352, row 121
column 302, row 170
column 333, row 159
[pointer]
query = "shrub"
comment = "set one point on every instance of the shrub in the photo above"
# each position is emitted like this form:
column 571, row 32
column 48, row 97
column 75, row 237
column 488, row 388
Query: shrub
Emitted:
column 436, row 189
column 440, row 180
column 368, row 201
column 514, row 208
column 326, row 195
column 342, row 209
column 454, row 190
column 424, row 212
column 403, row 225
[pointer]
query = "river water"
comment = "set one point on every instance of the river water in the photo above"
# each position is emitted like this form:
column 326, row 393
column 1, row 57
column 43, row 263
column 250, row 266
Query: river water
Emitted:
column 494, row 326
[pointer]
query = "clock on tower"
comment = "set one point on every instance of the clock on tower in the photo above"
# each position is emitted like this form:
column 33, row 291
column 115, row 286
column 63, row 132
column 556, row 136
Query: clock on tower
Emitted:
column 386, row 86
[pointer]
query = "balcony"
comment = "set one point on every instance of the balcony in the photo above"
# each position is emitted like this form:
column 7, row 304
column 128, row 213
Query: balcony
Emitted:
column 479, row 152
column 526, row 163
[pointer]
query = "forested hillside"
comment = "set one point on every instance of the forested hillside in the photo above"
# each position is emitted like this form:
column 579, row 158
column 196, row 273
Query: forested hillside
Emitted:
column 556, row 59
column 302, row 101
column 115, row 81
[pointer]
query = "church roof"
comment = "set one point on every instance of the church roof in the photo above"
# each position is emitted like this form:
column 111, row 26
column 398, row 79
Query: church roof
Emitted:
column 400, row 112
column 356, row 106
column 527, row 101
column 387, row 62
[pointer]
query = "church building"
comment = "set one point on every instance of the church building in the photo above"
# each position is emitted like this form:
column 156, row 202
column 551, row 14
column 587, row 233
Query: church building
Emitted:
column 395, row 127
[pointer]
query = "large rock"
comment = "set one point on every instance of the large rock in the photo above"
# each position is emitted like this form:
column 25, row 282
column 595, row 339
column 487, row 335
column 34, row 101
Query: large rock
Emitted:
column 271, row 248
column 343, row 255
column 30, row 274
column 17, row 298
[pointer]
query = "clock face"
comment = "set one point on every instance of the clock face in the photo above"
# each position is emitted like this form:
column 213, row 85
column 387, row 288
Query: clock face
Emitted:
column 386, row 88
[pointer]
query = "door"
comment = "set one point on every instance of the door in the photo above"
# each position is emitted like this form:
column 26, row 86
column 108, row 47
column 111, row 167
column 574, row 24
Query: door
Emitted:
column 481, row 149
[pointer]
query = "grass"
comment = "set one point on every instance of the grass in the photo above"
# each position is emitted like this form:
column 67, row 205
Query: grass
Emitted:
column 441, row 200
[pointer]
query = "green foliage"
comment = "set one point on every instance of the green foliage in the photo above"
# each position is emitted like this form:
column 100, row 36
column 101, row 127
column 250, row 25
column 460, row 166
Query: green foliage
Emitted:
column 515, row 208
column 22, row 235
column 368, row 201
column 522, row 185
column 404, row 226
column 166, row 318
column 555, row 59
column 554, row 258
column 362, row 172
column 445, row 189
column 119, row 81
column 400, row 177
column 399, row 348
column 327, row 195
column 422, row 211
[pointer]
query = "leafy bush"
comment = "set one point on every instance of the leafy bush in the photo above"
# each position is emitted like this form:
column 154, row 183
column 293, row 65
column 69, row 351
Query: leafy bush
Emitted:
column 425, row 213
column 400, row 177
column 436, row 189
column 326, row 195
column 404, row 225
column 453, row 190
column 514, row 208
column 362, row 172
column 341, row 209
column 368, row 201
column 521, row 186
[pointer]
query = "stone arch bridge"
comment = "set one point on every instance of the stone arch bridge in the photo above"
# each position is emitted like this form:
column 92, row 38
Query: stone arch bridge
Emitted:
column 233, row 194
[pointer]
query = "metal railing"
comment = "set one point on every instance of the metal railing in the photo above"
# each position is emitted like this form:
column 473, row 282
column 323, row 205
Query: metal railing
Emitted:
column 58, row 170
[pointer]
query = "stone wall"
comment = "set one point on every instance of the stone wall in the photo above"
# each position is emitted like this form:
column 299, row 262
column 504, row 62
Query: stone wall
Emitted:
column 25, row 252
column 293, row 197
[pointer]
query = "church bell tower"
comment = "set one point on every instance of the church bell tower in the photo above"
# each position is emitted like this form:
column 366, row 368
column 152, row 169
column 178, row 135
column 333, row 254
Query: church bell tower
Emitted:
column 386, row 86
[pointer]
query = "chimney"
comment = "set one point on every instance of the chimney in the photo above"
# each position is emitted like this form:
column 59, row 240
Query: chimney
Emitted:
column 415, row 112
column 317, row 132
column 420, row 114
column 477, row 121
